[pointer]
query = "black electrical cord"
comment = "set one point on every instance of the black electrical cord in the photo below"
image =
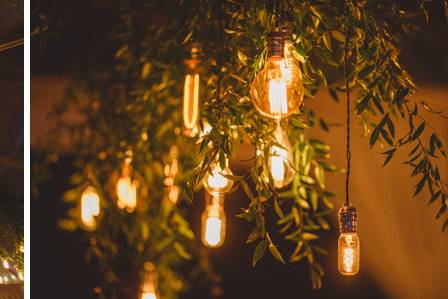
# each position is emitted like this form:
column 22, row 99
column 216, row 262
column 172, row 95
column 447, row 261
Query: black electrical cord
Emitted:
column 347, row 92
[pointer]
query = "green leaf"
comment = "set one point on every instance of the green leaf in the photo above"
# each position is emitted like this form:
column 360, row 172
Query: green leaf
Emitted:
column 419, row 131
column 434, row 197
column 242, row 57
column 277, row 209
column 259, row 251
column 276, row 253
column 333, row 94
column 390, row 154
column 420, row 185
column 181, row 251
column 247, row 190
column 254, row 235
column 374, row 136
column 309, row 236
column 377, row 103
column 363, row 103
column 327, row 40
column 314, row 199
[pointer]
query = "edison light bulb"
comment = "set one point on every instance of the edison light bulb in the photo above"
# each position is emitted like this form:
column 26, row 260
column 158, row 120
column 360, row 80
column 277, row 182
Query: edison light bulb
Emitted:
column 127, row 188
column 280, row 159
column 190, row 104
column 277, row 91
column 90, row 207
column 148, row 288
column 213, row 221
column 215, row 182
column 348, row 242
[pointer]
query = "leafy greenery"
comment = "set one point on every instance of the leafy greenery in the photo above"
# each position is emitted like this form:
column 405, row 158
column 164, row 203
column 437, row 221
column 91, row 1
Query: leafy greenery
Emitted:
column 135, row 104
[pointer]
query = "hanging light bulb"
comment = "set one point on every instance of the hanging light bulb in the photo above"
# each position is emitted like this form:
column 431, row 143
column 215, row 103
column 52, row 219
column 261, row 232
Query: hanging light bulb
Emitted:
column 171, row 171
column 190, row 104
column 126, row 187
column 277, row 91
column 149, row 282
column 280, row 159
column 215, row 183
column 348, row 243
column 213, row 221
column 90, row 207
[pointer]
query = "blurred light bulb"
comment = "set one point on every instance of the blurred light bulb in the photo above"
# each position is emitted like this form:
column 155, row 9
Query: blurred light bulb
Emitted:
column 348, row 253
column 90, row 207
column 6, row 264
column 127, row 188
column 280, row 160
column 215, row 182
column 190, row 105
column 348, row 242
column 171, row 171
column 277, row 90
column 213, row 221
column 149, row 282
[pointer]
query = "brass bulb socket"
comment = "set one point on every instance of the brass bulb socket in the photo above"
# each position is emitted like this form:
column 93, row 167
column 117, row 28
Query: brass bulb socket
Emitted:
column 348, row 219
column 276, row 44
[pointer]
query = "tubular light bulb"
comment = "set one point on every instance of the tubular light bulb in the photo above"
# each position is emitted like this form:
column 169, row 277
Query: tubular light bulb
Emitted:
column 277, row 90
column 191, row 104
column 280, row 160
column 215, row 183
column 148, row 288
column 348, row 253
column 90, row 207
column 348, row 242
column 127, row 189
column 213, row 221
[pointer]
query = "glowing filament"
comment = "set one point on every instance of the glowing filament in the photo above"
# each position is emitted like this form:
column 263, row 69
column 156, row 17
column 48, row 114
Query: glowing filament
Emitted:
column 90, row 207
column 278, row 99
column 348, row 249
column 127, row 193
column 348, row 259
column 191, row 101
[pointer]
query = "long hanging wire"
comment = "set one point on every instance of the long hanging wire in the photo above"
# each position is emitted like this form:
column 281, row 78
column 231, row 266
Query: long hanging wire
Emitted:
column 347, row 92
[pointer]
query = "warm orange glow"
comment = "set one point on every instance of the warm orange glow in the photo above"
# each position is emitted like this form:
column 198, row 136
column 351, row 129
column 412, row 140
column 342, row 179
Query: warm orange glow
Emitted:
column 191, row 103
column 149, row 296
column 90, row 207
column 127, row 193
column 149, row 282
column 213, row 222
column 215, row 182
column 280, row 160
column 278, row 99
column 348, row 253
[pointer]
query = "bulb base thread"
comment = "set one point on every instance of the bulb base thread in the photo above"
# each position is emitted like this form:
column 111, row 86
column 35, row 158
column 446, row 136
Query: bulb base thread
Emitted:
column 348, row 220
column 276, row 43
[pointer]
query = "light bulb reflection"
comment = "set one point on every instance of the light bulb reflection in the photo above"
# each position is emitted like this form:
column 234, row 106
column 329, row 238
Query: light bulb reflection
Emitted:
column 90, row 207
column 215, row 182
column 280, row 160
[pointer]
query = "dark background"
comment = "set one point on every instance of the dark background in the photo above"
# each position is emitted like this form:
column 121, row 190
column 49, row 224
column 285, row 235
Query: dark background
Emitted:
column 58, row 266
